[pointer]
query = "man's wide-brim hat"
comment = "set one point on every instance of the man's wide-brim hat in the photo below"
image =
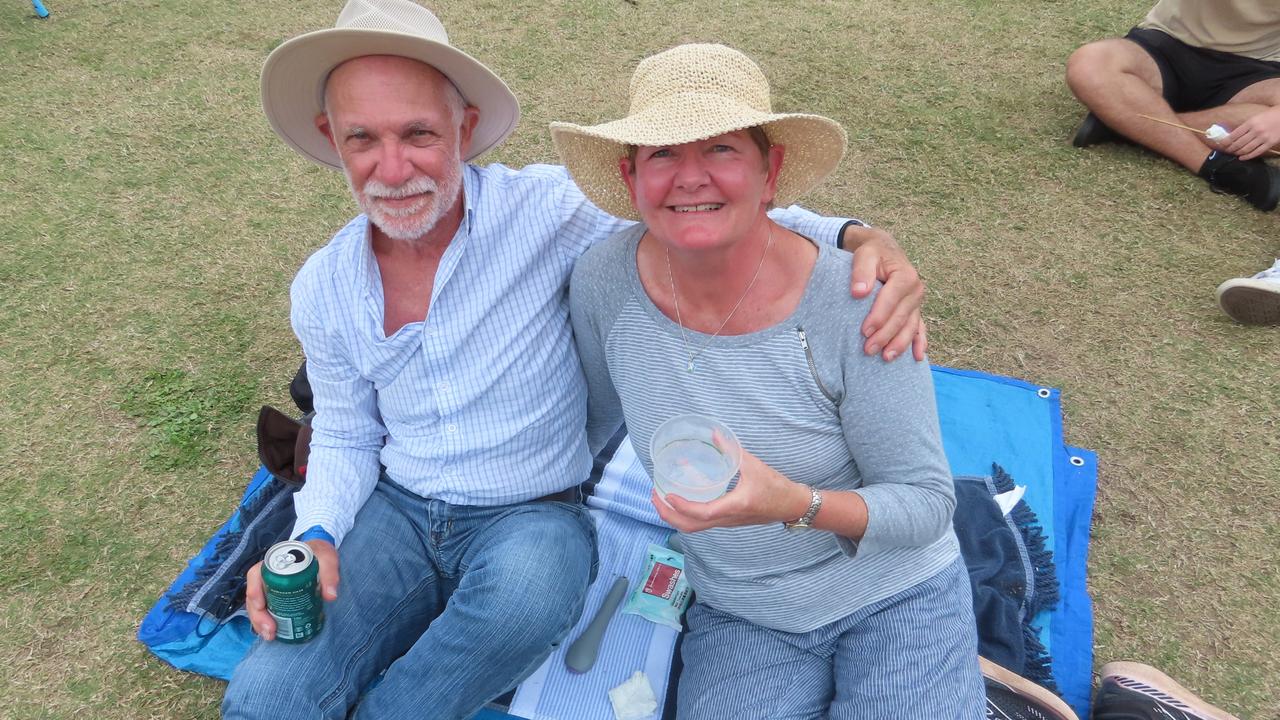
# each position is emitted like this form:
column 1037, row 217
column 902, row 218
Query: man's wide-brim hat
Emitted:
column 294, row 75
column 689, row 93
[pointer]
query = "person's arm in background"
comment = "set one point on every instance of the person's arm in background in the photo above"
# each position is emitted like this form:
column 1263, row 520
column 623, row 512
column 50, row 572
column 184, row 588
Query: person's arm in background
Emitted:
column 895, row 320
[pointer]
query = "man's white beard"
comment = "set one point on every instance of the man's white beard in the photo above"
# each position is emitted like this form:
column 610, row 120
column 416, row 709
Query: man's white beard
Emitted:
column 410, row 223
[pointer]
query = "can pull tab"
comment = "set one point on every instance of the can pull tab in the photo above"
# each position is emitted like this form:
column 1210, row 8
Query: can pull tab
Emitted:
column 582, row 653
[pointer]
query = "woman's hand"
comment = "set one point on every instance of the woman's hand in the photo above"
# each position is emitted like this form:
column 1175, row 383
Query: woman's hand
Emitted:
column 763, row 495
column 1255, row 136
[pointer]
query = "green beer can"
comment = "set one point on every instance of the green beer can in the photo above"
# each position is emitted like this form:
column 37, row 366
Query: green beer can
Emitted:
column 290, row 575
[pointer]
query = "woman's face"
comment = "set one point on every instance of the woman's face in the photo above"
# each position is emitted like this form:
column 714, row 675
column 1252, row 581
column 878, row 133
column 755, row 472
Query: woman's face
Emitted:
column 704, row 194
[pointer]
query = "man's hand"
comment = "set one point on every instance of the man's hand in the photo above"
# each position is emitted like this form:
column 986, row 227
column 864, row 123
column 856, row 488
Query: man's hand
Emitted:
column 255, row 599
column 1255, row 136
column 894, row 321
column 763, row 495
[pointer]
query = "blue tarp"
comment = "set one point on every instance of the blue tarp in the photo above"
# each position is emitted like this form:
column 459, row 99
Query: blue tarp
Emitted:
column 988, row 418
column 985, row 419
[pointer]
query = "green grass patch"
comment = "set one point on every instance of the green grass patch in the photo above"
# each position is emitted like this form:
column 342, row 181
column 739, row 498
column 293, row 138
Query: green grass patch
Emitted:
column 184, row 414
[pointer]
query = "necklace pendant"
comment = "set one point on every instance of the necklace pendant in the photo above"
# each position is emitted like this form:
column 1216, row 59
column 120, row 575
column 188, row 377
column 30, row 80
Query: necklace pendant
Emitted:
column 690, row 368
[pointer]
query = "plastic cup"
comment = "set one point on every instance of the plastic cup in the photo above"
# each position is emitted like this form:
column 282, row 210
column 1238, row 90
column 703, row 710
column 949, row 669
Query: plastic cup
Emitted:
column 694, row 457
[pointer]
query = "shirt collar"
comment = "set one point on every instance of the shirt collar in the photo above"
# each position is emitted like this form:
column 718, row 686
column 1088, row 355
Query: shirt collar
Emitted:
column 470, row 190
column 366, row 264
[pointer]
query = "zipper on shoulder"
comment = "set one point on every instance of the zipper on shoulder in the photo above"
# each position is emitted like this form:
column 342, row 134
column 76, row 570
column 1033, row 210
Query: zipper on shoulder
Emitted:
column 813, row 367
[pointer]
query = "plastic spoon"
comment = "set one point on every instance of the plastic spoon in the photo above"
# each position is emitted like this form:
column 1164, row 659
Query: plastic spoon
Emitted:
column 582, row 653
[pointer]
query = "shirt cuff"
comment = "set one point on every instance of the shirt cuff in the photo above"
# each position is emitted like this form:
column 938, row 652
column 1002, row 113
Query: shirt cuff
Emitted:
column 845, row 226
column 316, row 532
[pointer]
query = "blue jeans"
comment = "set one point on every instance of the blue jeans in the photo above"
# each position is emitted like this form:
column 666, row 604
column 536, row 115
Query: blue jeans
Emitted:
column 912, row 655
column 451, row 605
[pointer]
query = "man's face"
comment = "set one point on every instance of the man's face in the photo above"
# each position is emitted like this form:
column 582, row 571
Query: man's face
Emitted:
column 401, row 130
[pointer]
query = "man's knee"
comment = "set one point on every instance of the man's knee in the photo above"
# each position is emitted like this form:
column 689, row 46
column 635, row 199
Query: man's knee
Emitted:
column 265, row 688
column 1099, row 64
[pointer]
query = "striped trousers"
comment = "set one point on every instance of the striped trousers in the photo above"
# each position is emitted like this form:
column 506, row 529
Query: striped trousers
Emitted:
column 912, row 655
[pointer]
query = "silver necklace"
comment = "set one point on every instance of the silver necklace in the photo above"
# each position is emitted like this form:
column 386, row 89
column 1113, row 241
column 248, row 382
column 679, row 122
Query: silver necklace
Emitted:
column 675, row 296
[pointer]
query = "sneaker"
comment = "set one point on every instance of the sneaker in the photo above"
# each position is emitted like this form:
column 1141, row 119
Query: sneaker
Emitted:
column 1133, row 691
column 1093, row 131
column 1254, row 180
column 1255, row 300
column 1011, row 697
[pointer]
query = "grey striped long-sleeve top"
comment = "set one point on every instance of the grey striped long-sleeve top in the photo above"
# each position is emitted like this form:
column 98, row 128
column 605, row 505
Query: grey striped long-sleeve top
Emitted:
column 802, row 397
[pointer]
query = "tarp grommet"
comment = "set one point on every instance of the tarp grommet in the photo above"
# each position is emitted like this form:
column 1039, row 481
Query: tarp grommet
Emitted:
column 1077, row 461
column 1044, row 392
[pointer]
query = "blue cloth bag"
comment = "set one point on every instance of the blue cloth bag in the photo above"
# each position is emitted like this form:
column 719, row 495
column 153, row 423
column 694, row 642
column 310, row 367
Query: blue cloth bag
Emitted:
column 199, row 623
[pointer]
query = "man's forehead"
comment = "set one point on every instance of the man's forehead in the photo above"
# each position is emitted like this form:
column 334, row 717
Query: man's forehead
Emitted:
column 391, row 80
column 385, row 64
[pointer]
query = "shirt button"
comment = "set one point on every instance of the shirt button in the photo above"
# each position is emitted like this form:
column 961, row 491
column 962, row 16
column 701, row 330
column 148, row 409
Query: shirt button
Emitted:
column 442, row 386
column 451, row 428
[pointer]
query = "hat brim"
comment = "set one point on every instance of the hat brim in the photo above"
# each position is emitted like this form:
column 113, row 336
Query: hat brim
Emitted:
column 294, row 74
column 814, row 145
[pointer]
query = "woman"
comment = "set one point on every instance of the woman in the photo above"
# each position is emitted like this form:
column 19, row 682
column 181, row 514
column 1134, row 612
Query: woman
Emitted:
column 860, row 607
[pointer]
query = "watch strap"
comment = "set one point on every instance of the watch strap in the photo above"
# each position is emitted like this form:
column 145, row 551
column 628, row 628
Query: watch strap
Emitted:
column 806, row 520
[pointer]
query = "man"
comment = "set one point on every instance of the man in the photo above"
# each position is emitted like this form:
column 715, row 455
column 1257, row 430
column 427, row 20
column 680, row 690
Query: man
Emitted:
column 1196, row 63
column 450, row 407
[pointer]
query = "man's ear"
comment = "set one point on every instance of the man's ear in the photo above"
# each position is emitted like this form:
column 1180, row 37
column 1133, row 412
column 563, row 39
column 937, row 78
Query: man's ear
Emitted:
column 322, row 124
column 470, row 116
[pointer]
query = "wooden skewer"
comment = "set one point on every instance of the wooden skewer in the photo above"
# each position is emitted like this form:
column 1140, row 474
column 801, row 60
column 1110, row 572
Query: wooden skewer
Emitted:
column 1174, row 124
column 1198, row 132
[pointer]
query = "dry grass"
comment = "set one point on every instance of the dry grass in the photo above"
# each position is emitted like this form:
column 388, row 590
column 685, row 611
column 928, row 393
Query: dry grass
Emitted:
column 150, row 223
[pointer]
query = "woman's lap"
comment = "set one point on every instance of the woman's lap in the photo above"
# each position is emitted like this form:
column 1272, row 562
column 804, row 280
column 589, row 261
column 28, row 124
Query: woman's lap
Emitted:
column 911, row 655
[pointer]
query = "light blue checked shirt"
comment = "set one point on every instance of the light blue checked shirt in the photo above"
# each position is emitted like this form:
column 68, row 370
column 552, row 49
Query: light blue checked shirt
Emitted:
column 482, row 403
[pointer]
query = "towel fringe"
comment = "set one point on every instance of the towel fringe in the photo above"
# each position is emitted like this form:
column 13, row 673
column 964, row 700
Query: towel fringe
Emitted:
column 1044, row 593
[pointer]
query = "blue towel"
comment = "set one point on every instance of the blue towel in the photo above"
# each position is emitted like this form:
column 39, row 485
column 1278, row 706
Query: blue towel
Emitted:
column 1011, row 571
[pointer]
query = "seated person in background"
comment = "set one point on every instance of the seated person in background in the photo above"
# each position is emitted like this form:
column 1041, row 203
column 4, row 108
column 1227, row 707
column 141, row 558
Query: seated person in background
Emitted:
column 1253, row 300
column 1197, row 63
column 860, row 607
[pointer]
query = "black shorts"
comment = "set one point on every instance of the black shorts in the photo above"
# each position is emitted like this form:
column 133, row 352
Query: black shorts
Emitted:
column 1196, row 78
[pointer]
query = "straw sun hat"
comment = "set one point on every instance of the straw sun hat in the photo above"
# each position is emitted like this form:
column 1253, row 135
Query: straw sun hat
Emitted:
column 695, row 92
column 294, row 75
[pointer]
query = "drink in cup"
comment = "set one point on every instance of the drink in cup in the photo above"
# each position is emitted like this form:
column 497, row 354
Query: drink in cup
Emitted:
column 694, row 457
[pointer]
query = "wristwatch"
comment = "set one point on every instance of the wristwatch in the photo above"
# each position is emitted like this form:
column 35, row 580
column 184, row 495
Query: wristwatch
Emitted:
column 806, row 521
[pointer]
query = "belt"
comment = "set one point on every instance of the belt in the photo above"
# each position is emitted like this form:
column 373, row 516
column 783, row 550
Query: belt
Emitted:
column 572, row 495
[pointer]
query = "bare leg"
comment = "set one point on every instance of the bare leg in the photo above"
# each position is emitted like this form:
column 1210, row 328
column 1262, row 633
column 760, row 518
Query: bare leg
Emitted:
column 1117, row 80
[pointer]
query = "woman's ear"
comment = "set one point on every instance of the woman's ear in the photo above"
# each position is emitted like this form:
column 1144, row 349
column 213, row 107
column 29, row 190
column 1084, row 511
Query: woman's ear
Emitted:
column 773, row 163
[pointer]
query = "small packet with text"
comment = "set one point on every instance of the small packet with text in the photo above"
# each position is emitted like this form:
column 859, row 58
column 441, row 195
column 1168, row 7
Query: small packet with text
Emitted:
column 663, row 594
